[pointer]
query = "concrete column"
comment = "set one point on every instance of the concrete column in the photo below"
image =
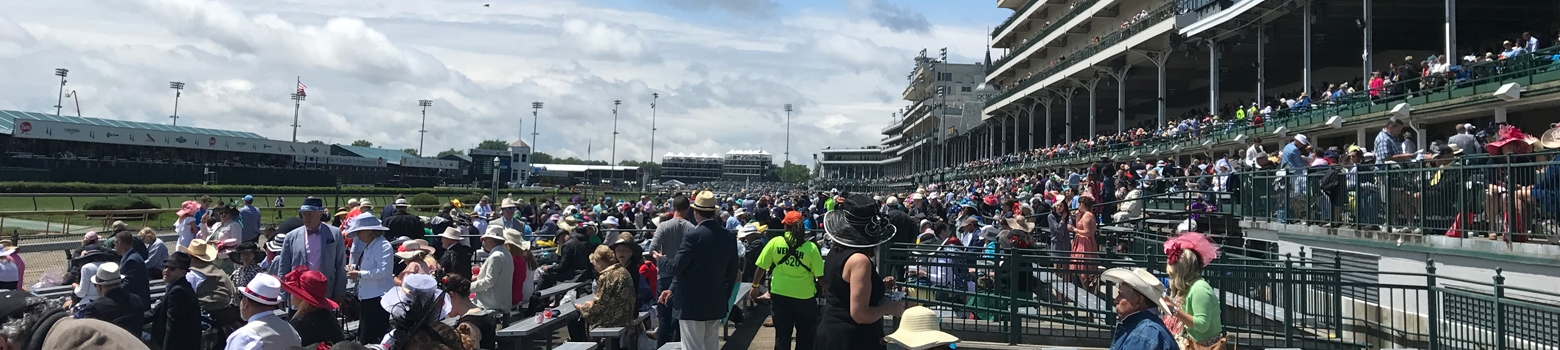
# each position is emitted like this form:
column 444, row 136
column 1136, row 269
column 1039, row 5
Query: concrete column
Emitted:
column 1213, row 78
column 1305, row 49
column 1048, row 123
column 1451, row 31
column 1500, row 114
column 1368, row 29
column 1262, row 61
column 1017, row 135
column 1121, row 101
column 1092, row 110
column 1362, row 138
column 1067, row 124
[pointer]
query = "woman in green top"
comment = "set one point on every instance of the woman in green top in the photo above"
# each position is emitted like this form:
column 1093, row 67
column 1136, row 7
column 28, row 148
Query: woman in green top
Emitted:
column 795, row 265
column 1192, row 302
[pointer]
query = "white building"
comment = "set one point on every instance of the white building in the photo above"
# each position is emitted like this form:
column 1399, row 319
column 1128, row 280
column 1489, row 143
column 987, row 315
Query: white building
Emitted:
column 520, row 163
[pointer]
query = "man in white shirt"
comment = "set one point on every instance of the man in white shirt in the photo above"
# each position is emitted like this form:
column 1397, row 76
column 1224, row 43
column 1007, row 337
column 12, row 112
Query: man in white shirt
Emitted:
column 265, row 330
column 1254, row 151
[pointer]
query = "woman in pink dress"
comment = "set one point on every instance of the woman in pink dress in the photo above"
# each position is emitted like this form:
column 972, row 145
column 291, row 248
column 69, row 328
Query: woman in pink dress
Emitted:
column 1377, row 83
column 1085, row 225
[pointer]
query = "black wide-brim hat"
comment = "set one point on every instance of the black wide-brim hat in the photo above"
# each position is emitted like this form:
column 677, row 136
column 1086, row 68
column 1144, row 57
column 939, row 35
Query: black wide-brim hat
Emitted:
column 858, row 224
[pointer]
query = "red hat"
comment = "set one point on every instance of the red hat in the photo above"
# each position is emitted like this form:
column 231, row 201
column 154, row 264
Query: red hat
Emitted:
column 308, row 286
column 791, row 217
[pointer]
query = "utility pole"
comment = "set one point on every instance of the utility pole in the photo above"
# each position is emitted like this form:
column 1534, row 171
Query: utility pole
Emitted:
column 178, row 90
column 424, row 130
column 297, row 98
column 60, row 102
column 615, row 104
column 653, row 98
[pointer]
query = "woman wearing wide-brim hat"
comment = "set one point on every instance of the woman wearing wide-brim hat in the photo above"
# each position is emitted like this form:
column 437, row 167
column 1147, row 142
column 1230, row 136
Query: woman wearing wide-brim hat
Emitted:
column 857, row 228
column 312, row 315
column 418, row 257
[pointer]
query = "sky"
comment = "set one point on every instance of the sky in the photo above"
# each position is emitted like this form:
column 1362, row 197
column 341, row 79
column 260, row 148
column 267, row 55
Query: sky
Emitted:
column 723, row 69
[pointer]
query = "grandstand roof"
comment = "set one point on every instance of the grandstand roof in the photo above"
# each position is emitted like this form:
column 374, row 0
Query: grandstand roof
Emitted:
column 391, row 156
column 574, row 168
column 8, row 120
column 747, row 152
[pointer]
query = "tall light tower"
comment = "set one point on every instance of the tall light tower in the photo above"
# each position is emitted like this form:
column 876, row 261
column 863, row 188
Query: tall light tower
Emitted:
column 615, row 104
column 297, row 101
column 424, row 130
column 178, row 90
column 653, row 97
column 535, row 106
column 60, row 102
column 787, row 134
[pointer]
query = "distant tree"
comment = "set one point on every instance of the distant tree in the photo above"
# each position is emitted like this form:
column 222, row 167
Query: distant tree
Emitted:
column 449, row 152
column 542, row 158
column 362, row 143
column 411, row 151
column 316, row 142
column 792, row 172
column 652, row 167
column 496, row 145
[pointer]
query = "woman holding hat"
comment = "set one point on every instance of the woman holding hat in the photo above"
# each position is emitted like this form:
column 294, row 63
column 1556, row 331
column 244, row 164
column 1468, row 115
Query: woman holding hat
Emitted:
column 313, row 314
column 1192, row 302
column 856, row 296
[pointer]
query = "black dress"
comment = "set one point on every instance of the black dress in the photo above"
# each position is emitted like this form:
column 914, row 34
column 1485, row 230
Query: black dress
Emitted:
column 318, row 326
column 836, row 329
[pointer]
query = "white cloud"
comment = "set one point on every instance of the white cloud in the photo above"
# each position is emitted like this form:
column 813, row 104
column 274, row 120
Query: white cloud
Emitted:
column 722, row 86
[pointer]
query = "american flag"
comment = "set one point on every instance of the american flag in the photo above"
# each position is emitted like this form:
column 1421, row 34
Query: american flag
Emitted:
column 301, row 87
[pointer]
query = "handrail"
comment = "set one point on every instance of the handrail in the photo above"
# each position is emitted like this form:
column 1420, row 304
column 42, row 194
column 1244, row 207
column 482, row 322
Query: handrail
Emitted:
column 1163, row 13
column 1014, row 18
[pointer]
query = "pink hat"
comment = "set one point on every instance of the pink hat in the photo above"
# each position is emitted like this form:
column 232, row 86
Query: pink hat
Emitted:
column 91, row 236
column 187, row 208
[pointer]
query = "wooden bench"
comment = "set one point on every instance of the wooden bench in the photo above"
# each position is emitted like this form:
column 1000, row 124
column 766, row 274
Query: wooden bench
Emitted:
column 560, row 289
column 612, row 334
column 742, row 298
column 1080, row 297
column 516, row 334
column 671, row 346
column 577, row 346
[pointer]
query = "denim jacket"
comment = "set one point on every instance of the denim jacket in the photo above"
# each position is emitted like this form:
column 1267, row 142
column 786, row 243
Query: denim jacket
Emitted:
column 1142, row 331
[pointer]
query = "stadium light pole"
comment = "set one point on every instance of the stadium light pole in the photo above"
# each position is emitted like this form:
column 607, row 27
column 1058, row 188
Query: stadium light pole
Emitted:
column 613, row 162
column 297, row 101
column 654, row 96
column 496, row 165
column 535, row 106
column 178, row 90
column 60, row 102
column 424, row 132
column 787, row 134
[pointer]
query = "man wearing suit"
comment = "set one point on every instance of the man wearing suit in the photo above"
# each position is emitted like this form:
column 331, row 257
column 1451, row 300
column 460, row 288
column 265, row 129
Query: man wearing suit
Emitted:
column 265, row 330
column 116, row 305
column 179, row 311
column 133, row 263
column 703, row 277
column 316, row 245
column 454, row 257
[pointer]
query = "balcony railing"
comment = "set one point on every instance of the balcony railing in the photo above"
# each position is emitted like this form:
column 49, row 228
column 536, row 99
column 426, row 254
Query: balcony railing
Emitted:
column 1078, row 8
column 1016, row 14
column 1159, row 14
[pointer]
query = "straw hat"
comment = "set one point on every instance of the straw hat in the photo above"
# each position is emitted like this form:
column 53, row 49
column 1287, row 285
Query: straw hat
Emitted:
column 513, row 235
column 1550, row 139
column 705, row 201
column 6, row 251
column 1140, row 280
column 751, row 229
column 508, row 203
column 410, row 248
column 264, row 289
column 495, row 232
column 567, row 224
column 919, row 328
column 200, row 249
column 107, row 274
column 452, row 233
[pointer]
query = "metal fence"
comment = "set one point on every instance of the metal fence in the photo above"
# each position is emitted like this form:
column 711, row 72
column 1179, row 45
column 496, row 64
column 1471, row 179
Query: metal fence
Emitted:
column 1037, row 296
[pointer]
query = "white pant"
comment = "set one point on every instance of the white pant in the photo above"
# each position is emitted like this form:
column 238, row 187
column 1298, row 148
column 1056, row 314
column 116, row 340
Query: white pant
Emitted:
column 700, row 335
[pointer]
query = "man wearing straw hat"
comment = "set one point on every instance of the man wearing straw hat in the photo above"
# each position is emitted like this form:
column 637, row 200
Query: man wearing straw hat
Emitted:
column 703, row 277
column 1137, row 300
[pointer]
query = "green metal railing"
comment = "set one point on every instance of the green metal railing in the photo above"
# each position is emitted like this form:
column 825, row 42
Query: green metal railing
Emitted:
column 1014, row 18
column 1162, row 13
column 1077, row 8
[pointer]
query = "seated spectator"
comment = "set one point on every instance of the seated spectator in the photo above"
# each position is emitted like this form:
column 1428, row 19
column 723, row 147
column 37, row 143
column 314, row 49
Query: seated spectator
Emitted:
column 615, row 295
column 117, row 305
column 483, row 322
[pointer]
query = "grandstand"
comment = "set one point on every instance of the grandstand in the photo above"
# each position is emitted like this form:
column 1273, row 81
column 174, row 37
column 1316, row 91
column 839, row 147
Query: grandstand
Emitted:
column 47, row 147
column 748, row 165
column 690, row 168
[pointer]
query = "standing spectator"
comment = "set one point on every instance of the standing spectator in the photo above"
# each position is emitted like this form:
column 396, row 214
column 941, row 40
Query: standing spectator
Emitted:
column 795, row 264
column 663, row 248
column 250, row 216
column 402, row 223
column 481, row 213
column 372, row 266
column 1530, row 43
column 246, row 263
column 1465, row 140
column 705, row 271
column 313, row 316
column 1084, row 244
column 1140, row 327
column 399, row 198
column 117, row 305
column 1377, row 84
column 1292, row 158
column 280, row 202
column 1192, row 301
column 186, row 225
column 264, row 330
column 855, row 303
column 133, row 262
column 495, row 281
column 179, row 311
column 454, row 256
column 316, row 245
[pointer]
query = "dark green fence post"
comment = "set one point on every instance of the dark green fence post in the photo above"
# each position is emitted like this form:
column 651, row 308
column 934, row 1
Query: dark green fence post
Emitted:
column 1289, row 300
column 1500, row 310
column 1434, row 302
column 1015, row 324
column 1337, row 293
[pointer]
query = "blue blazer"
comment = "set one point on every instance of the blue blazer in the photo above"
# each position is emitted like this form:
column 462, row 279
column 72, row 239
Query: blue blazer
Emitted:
column 707, row 268
column 333, row 257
